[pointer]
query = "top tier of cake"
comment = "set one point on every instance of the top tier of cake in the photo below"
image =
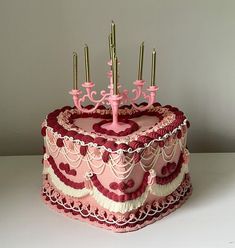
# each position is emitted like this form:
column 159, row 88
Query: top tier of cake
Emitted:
column 162, row 122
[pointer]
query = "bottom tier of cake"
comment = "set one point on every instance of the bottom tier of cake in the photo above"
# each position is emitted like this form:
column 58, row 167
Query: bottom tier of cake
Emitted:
column 127, row 222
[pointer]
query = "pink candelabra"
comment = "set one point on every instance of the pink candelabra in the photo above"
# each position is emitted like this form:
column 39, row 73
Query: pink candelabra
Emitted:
column 114, row 100
column 114, row 97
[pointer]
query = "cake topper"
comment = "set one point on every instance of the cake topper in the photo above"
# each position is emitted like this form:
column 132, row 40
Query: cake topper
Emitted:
column 115, row 95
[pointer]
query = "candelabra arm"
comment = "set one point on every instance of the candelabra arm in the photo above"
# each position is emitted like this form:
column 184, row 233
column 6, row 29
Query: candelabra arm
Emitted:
column 79, row 100
column 137, row 91
column 90, row 94
column 151, row 98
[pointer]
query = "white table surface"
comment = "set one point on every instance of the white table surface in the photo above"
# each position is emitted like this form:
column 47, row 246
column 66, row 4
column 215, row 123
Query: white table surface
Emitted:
column 207, row 219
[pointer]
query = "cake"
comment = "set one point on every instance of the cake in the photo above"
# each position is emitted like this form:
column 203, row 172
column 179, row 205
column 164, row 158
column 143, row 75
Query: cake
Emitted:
column 120, row 177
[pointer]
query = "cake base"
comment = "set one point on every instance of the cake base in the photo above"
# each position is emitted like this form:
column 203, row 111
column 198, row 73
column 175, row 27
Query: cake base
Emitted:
column 142, row 217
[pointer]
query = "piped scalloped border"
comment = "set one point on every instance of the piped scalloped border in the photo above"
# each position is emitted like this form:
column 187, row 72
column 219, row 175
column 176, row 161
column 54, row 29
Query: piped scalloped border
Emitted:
column 111, row 146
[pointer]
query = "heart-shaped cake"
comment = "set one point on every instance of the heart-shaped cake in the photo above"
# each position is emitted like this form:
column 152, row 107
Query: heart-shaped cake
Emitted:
column 116, row 180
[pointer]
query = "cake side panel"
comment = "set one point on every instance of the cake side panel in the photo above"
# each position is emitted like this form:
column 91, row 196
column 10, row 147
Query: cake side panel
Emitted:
column 137, row 174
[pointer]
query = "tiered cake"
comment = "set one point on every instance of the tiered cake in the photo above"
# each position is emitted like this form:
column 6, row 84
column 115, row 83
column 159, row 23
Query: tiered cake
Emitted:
column 120, row 174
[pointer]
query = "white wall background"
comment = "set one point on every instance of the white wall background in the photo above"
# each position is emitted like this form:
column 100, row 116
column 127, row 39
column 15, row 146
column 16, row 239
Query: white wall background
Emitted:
column 195, row 41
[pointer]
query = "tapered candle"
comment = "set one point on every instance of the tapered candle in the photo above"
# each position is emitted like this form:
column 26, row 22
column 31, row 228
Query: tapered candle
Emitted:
column 141, row 61
column 110, row 46
column 87, row 65
column 113, row 32
column 153, row 69
column 115, row 72
column 112, row 67
column 75, row 71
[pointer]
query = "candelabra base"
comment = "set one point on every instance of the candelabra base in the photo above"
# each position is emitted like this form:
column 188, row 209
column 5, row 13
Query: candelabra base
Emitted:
column 121, row 128
column 117, row 127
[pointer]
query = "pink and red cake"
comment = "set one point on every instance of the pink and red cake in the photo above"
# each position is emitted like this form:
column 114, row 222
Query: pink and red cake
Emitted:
column 119, row 183
column 120, row 167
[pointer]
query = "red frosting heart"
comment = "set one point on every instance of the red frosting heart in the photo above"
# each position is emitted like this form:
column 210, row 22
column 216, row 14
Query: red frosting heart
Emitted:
column 66, row 168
